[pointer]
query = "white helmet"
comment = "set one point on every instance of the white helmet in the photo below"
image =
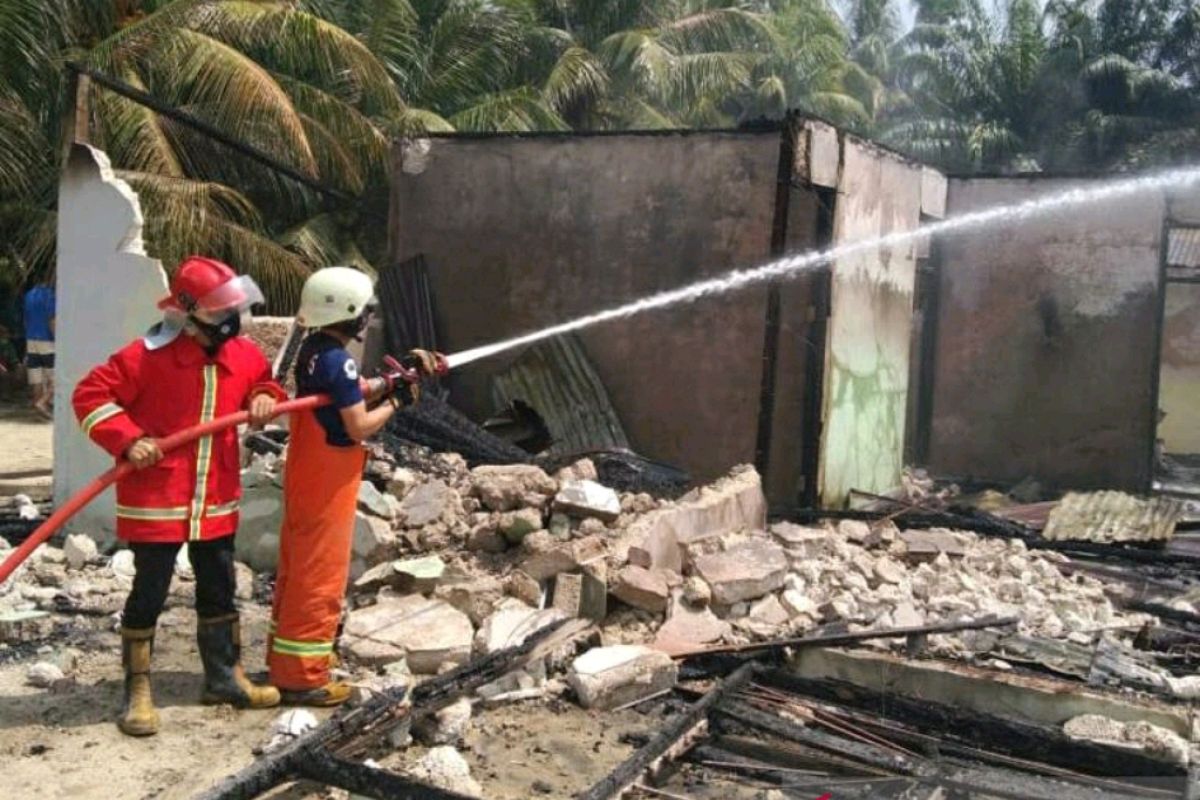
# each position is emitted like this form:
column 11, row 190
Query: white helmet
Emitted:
column 334, row 294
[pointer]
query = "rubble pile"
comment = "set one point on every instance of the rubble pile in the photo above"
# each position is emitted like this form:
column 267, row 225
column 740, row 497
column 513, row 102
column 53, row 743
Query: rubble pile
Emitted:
column 78, row 587
column 451, row 563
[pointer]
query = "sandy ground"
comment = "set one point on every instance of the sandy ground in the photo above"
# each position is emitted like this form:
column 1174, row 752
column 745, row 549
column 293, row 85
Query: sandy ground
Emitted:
column 63, row 743
column 28, row 443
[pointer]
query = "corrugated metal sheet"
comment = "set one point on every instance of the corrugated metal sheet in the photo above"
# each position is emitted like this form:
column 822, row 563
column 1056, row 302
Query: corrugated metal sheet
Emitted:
column 1183, row 247
column 1113, row 517
column 557, row 380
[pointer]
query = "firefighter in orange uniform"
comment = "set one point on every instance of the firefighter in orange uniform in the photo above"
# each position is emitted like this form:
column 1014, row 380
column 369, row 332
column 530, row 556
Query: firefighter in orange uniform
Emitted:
column 325, row 459
column 189, row 369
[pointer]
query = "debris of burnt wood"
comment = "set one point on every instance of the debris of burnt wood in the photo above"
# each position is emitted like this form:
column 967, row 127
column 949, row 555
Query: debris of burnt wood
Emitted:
column 842, row 639
column 321, row 753
column 769, row 725
column 985, row 524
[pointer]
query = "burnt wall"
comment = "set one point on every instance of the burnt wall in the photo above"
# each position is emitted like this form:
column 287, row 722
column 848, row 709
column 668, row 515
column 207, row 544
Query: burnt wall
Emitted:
column 520, row 233
column 1046, row 340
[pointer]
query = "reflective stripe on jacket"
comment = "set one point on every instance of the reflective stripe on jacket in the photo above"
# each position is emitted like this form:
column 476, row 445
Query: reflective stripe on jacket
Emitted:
column 193, row 492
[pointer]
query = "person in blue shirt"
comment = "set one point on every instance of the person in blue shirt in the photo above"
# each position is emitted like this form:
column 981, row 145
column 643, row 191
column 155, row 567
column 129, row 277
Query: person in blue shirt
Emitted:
column 325, row 459
column 39, row 344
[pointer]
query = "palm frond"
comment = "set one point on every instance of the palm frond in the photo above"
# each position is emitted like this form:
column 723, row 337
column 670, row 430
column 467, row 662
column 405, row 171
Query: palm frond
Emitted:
column 233, row 92
column 131, row 133
column 304, row 46
column 516, row 110
column 578, row 76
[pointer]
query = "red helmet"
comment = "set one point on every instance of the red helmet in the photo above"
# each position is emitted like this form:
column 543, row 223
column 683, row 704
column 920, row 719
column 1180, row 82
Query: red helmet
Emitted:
column 205, row 284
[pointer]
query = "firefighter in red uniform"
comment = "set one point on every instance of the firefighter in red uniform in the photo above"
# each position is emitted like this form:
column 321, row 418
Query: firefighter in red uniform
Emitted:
column 190, row 368
column 325, row 460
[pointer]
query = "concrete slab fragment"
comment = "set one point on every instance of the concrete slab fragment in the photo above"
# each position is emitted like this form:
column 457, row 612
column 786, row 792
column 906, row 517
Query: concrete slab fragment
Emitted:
column 588, row 499
column 744, row 572
column 428, row 633
column 642, row 588
column 607, row 677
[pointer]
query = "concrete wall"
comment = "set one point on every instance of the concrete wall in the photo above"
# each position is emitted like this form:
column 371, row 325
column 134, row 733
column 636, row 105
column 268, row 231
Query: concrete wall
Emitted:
column 1047, row 335
column 107, row 290
column 867, row 354
column 520, row 233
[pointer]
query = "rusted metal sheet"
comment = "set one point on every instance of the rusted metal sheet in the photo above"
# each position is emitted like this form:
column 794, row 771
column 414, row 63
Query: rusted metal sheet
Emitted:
column 1112, row 517
column 557, row 380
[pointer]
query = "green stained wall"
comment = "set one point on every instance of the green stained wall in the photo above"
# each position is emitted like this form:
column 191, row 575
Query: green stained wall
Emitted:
column 866, row 379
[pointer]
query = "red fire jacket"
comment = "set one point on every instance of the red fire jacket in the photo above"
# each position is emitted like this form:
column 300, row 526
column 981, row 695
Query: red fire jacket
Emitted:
column 193, row 492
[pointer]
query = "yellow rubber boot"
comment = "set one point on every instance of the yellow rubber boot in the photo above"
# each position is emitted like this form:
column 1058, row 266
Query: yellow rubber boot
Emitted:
column 139, row 717
column 333, row 693
column 220, row 642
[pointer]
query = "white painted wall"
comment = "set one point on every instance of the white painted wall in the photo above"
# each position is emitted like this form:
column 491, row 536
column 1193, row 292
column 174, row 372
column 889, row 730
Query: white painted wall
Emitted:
column 107, row 290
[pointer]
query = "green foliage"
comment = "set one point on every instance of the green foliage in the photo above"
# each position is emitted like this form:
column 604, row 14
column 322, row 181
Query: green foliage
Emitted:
column 324, row 86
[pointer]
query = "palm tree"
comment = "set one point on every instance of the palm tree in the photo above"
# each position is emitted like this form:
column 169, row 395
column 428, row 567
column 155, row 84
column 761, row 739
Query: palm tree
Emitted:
column 619, row 64
column 972, row 84
column 269, row 73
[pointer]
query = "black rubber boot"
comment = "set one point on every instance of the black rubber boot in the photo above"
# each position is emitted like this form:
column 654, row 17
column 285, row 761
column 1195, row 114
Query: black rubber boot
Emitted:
column 220, row 642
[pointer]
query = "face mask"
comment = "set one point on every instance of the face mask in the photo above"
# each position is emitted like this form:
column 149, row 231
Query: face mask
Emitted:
column 219, row 332
column 352, row 328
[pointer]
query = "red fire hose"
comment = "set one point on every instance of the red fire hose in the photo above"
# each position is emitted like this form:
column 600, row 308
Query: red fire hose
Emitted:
column 167, row 444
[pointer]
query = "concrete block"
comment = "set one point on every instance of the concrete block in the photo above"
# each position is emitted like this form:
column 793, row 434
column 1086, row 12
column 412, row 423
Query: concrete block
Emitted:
column 446, row 726
column 373, row 501
column 516, row 525
column 420, row 575
column 524, row 588
column 564, row 557
column 658, row 549
column 733, row 503
column 79, row 550
column 43, row 675
column 122, row 563
column 642, row 588
column 688, row 628
column 581, row 595
column 744, row 572
column 588, row 499
column 433, row 501
column 426, row 632
column 261, row 516
column 445, row 768
column 608, row 677
column 801, row 541
column 512, row 625
column 508, row 487
column 474, row 596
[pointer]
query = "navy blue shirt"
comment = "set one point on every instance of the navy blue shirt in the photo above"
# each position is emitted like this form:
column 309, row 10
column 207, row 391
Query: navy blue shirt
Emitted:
column 39, row 310
column 324, row 367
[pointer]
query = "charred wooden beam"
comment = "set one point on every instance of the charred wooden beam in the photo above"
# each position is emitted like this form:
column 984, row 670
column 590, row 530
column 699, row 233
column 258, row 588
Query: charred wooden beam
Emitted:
column 380, row 784
column 630, row 771
column 991, row 781
column 801, row 783
column 985, row 731
column 353, row 731
column 841, row 639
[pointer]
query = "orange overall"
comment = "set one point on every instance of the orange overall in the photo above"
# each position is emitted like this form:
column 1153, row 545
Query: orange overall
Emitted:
column 320, row 493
